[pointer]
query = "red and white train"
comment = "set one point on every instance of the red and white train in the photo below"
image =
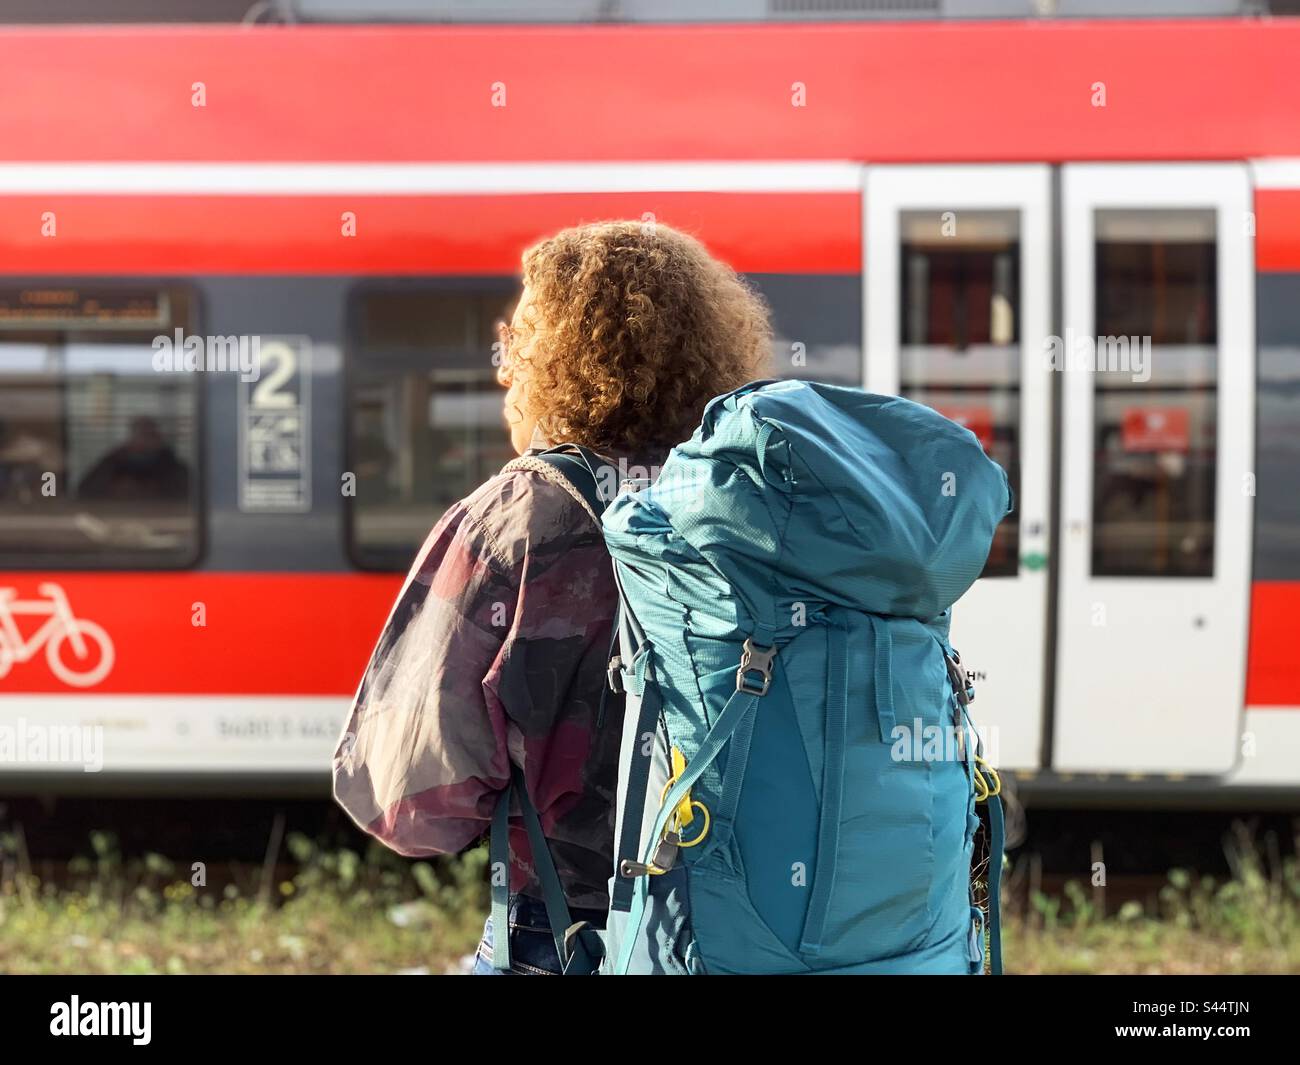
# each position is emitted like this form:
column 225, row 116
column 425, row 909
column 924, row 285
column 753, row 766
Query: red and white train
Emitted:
column 198, row 564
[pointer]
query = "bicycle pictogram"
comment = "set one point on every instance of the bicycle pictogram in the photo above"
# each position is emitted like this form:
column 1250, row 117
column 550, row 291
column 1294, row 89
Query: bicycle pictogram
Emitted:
column 79, row 652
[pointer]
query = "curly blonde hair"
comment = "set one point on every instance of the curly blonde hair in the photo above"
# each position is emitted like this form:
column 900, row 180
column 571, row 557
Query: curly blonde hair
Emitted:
column 633, row 327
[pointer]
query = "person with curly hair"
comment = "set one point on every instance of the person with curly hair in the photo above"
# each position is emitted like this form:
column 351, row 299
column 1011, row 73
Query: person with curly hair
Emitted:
column 493, row 660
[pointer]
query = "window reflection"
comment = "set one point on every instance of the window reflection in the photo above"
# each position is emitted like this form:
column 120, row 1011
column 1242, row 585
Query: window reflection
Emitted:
column 1155, row 438
column 960, row 326
column 425, row 416
column 98, row 450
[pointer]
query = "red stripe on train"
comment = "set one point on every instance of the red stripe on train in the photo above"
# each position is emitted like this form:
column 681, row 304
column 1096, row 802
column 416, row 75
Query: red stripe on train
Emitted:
column 1272, row 675
column 1277, row 230
column 312, row 633
column 457, row 235
column 409, row 235
column 900, row 92
column 261, row 634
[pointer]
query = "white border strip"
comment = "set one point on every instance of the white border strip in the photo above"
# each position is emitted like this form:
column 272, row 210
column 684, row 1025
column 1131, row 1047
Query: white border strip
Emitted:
column 1276, row 173
column 323, row 179
column 485, row 179
column 179, row 733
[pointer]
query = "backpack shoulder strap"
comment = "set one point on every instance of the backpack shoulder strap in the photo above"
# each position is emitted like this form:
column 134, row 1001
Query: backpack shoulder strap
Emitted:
column 557, row 909
column 579, row 466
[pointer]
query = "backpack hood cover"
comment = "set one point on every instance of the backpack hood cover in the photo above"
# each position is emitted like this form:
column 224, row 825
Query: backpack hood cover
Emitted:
column 796, row 491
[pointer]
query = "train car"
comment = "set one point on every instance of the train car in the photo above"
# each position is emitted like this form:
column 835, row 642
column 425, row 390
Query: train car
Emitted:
column 1081, row 240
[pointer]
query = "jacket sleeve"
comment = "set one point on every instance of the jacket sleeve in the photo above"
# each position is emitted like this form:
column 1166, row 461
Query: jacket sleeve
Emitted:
column 423, row 757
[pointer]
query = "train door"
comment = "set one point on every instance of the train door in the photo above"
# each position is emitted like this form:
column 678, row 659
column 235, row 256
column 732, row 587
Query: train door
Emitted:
column 1158, row 358
column 958, row 270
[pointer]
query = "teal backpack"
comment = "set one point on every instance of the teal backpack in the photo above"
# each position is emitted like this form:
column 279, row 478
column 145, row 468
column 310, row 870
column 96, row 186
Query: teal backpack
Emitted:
column 799, row 775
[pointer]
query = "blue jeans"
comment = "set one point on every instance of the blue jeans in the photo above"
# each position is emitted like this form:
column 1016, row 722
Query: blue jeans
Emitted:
column 532, row 949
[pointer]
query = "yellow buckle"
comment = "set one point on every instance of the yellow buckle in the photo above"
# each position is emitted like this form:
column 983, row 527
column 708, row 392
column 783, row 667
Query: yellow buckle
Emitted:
column 684, row 814
column 988, row 785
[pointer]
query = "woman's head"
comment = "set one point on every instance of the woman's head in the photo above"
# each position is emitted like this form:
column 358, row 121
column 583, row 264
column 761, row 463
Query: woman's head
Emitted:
column 624, row 331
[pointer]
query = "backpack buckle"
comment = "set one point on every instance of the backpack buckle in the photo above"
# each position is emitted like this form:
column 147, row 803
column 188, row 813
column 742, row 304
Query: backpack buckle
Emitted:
column 665, row 857
column 755, row 660
column 962, row 687
column 614, row 674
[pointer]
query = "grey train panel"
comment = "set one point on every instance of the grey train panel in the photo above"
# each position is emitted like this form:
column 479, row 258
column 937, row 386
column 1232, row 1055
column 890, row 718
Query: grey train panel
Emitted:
column 1277, row 433
column 823, row 313
column 267, row 307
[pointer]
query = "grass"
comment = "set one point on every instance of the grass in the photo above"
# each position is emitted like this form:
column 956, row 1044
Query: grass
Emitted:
column 334, row 912
column 1197, row 925
column 340, row 911
column 1142, row 947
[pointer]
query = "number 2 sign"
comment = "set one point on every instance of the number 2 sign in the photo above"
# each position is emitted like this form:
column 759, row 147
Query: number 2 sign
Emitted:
column 274, row 441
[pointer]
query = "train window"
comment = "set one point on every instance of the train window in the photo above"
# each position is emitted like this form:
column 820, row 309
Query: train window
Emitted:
column 960, row 329
column 816, row 325
column 98, row 450
column 1155, row 393
column 425, row 426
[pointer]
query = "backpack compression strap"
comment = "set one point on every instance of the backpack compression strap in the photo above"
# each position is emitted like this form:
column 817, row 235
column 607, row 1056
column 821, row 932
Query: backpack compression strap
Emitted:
column 996, row 842
column 738, row 709
column 963, row 692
